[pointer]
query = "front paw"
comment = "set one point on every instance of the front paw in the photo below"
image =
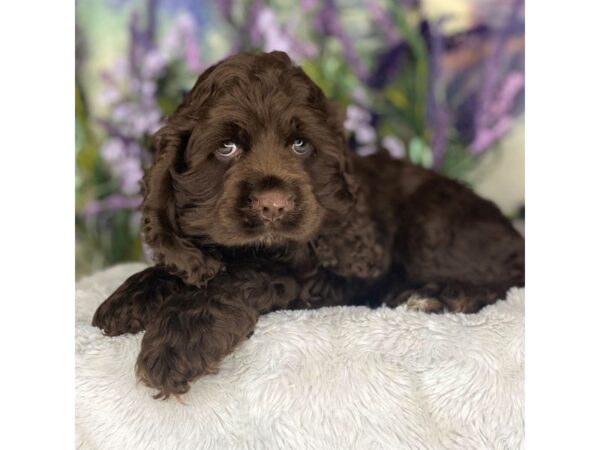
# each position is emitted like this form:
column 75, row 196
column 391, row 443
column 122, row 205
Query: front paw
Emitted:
column 170, row 369
column 134, row 304
column 116, row 319
column 193, row 333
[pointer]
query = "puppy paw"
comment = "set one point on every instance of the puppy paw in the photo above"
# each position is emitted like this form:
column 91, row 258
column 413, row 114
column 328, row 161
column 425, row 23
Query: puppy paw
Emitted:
column 115, row 320
column 424, row 304
column 170, row 370
column 176, row 350
column 134, row 304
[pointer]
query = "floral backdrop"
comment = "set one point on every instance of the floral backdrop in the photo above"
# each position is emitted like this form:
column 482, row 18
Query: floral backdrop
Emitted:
column 438, row 82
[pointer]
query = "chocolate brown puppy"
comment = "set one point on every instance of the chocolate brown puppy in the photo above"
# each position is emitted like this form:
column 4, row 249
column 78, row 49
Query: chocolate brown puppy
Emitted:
column 254, row 203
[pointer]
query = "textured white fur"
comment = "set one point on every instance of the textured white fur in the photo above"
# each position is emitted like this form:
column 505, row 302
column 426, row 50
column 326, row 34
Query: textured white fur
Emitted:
column 334, row 378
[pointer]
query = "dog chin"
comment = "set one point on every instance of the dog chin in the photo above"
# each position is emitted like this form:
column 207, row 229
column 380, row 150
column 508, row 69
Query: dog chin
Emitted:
column 270, row 239
column 274, row 238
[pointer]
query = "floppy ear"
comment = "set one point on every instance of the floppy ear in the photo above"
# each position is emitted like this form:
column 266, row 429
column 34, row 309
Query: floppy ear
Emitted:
column 160, row 228
column 348, row 244
column 178, row 252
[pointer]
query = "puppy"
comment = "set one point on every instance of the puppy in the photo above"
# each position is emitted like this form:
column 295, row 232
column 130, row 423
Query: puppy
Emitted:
column 254, row 203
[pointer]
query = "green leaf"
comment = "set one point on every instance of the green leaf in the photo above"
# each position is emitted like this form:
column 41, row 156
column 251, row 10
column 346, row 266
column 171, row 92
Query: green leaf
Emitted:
column 419, row 152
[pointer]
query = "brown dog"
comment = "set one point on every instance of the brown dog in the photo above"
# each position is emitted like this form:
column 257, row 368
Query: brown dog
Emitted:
column 254, row 203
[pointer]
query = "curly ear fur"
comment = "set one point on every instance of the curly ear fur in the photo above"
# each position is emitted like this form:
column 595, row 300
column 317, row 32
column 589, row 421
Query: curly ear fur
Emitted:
column 352, row 251
column 161, row 231
column 348, row 244
column 179, row 253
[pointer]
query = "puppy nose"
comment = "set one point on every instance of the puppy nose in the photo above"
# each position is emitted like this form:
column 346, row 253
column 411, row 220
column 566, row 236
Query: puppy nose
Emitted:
column 272, row 205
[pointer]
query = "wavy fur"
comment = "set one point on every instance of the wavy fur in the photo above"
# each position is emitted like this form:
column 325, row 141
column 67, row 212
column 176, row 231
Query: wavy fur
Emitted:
column 360, row 228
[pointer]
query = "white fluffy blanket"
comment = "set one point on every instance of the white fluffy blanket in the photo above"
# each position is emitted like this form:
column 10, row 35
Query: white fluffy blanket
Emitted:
column 334, row 378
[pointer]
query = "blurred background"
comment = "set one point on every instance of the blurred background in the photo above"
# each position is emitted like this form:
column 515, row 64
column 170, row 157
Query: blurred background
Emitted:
column 440, row 82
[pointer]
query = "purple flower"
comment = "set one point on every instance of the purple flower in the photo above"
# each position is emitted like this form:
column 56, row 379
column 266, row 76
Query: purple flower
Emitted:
column 130, row 91
column 124, row 160
column 108, row 95
column 394, row 146
column 493, row 114
column 113, row 150
column 498, row 120
column 382, row 19
column 181, row 42
column 112, row 203
column 329, row 23
column 254, row 12
column 153, row 64
column 358, row 122
column 265, row 31
column 130, row 172
column 505, row 101
column 144, row 122
column 271, row 33
column 356, row 117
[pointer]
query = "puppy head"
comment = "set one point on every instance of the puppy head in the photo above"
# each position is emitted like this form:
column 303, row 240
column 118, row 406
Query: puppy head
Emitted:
column 255, row 155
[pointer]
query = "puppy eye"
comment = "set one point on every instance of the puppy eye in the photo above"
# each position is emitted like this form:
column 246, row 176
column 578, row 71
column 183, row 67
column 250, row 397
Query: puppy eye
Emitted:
column 228, row 150
column 301, row 147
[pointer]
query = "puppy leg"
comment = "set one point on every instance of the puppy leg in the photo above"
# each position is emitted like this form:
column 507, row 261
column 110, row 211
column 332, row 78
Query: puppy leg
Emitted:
column 190, row 338
column 456, row 248
column 135, row 303
column 465, row 298
column 451, row 297
column 197, row 329
column 419, row 299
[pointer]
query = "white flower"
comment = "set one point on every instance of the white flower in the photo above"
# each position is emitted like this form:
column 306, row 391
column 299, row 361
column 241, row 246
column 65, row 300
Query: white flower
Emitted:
column 394, row 146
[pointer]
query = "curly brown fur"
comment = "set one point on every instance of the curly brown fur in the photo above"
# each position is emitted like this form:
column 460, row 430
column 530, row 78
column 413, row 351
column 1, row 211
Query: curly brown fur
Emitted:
column 254, row 204
column 135, row 303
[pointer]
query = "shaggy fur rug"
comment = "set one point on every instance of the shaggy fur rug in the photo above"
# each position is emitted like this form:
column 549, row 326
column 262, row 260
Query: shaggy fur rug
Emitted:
column 334, row 378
